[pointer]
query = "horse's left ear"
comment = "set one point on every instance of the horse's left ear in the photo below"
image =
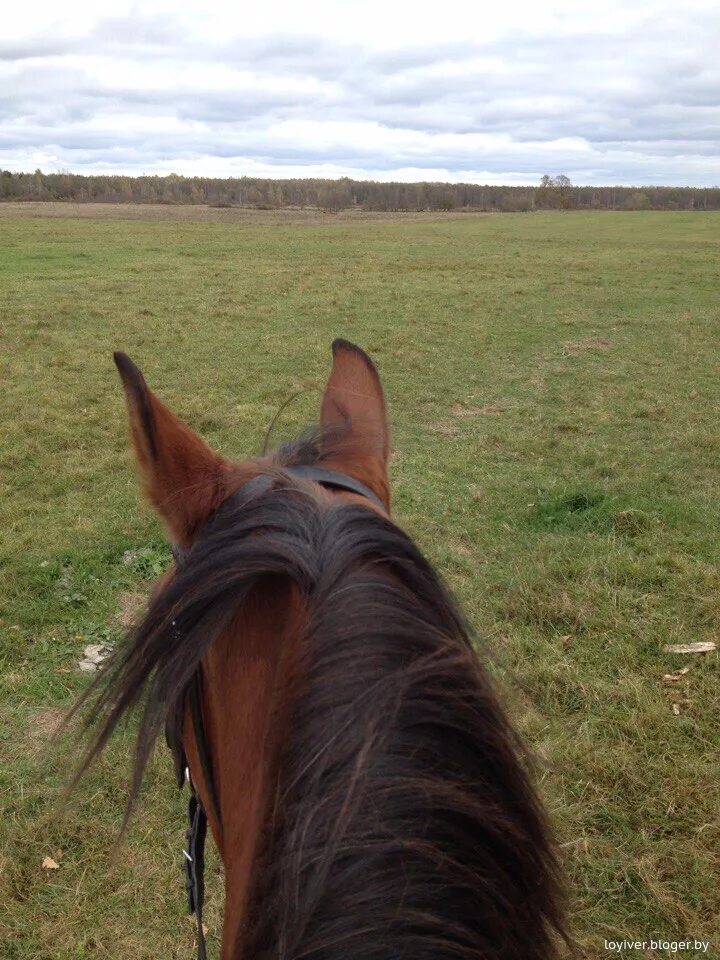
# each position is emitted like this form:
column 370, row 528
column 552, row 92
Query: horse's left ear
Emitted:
column 184, row 479
column 354, row 406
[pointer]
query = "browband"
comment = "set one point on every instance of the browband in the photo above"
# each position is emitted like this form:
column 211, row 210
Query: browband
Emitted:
column 337, row 480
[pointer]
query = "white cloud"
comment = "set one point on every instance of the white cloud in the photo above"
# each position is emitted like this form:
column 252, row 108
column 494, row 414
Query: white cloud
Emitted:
column 626, row 92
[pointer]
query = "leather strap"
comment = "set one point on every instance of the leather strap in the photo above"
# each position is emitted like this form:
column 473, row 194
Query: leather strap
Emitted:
column 203, row 749
column 337, row 480
column 195, row 866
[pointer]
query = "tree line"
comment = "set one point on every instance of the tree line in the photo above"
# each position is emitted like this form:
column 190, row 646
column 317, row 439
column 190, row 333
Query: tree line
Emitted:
column 553, row 193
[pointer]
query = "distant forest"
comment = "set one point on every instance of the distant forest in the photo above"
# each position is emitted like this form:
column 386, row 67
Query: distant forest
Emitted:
column 552, row 193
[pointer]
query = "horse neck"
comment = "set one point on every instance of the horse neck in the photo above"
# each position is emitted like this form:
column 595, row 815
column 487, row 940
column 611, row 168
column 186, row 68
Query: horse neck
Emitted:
column 245, row 681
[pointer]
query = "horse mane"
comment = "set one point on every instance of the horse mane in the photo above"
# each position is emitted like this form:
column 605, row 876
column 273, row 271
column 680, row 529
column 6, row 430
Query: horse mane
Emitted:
column 404, row 820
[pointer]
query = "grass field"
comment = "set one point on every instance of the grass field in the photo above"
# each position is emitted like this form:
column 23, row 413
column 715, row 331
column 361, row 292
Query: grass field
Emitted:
column 553, row 385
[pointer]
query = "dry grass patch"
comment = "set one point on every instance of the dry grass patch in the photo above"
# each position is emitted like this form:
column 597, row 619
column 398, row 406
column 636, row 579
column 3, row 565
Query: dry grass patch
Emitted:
column 130, row 606
column 202, row 213
column 444, row 428
column 472, row 410
column 591, row 343
column 45, row 724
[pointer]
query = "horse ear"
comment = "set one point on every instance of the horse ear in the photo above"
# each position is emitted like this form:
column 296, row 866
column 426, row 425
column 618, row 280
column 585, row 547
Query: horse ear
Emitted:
column 184, row 479
column 353, row 405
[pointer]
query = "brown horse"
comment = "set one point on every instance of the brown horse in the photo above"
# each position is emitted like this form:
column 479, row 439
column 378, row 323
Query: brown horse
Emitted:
column 365, row 789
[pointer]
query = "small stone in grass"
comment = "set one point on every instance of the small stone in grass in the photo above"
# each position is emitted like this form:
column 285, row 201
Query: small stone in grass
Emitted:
column 93, row 656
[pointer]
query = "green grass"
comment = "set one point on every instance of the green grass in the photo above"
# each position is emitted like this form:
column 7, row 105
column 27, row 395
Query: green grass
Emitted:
column 553, row 385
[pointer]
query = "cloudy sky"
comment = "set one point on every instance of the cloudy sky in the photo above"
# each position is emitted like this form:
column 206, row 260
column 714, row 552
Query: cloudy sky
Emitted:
column 611, row 92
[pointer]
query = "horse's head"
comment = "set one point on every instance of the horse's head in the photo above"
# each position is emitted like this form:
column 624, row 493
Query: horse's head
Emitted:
column 366, row 791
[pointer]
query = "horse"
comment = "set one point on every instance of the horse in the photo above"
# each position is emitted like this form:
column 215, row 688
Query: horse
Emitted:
column 322, row 693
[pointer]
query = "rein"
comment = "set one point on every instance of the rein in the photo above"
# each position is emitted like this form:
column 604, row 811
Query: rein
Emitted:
column 197, row 817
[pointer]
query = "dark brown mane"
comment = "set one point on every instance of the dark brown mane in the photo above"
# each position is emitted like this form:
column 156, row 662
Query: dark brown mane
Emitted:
column 404, row 822
column 407, row 825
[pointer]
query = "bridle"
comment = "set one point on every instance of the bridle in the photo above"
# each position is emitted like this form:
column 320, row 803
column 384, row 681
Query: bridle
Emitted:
column 192, row 699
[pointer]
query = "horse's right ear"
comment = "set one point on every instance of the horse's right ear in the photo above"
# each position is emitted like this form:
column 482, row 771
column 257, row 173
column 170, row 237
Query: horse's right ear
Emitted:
column 184, row 479
column 354, row 405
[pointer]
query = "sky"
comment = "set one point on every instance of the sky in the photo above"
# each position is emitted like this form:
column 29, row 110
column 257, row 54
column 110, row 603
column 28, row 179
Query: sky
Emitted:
column 605, row 93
